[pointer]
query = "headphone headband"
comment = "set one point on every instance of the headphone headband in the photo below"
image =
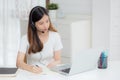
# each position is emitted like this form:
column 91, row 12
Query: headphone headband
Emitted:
column 31, row 19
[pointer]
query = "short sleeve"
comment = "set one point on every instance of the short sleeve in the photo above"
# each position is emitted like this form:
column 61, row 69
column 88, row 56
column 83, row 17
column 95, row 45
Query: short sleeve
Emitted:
column 23, row 44
column 58, row 42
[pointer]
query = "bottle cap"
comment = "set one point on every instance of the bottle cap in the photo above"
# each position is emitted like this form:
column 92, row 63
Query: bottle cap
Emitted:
column 104, row 54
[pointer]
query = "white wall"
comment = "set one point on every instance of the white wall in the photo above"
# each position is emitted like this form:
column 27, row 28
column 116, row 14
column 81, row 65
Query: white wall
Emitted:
column 101, row 23
column 115, row 30
column 75, row 6
column 106, row 26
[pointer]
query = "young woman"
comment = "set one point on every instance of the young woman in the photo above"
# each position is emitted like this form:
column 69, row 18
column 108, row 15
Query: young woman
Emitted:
column 42, row 45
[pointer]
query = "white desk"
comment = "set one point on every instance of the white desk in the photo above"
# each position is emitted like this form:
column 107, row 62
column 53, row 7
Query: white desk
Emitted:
column 111, row 73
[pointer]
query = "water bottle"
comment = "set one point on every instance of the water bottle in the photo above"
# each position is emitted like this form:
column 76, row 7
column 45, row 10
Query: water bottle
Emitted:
column 102, row 63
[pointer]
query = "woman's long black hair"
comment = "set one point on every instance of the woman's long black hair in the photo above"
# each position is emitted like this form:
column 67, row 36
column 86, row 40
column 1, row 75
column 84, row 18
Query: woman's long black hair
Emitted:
column 36, row 14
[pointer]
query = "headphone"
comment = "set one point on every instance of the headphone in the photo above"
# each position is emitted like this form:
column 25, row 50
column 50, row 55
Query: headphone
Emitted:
column 32, row 23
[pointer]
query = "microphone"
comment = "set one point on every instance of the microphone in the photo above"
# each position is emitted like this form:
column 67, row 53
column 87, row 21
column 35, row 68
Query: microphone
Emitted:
column 42, row 31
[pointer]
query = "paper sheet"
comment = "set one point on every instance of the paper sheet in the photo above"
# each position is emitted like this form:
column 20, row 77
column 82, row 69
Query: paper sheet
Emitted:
column 45, row 75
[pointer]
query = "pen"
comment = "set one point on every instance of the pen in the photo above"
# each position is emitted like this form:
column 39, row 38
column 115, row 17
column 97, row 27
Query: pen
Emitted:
column 37, row 65
column 42, row 73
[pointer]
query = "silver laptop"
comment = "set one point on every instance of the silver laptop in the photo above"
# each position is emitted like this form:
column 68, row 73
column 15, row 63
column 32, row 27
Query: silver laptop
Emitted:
column 82, row 61
column 8, row 71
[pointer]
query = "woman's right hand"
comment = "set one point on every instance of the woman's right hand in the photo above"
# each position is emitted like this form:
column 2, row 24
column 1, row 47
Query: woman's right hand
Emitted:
column 21, row 63
column 36, row 69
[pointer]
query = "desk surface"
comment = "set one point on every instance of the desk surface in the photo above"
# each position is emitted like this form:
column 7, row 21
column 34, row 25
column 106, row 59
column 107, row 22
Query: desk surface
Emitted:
column 111, row 73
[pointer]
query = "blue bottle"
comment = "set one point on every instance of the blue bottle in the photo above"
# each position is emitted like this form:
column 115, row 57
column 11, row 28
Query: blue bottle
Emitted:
column 102, row 63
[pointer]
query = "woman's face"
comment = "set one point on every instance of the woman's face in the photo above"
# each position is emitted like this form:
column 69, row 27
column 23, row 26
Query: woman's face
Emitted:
column 43, row 24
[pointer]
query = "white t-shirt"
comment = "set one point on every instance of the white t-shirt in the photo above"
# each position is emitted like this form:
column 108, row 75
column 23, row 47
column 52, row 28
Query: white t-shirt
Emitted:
column 46, row 55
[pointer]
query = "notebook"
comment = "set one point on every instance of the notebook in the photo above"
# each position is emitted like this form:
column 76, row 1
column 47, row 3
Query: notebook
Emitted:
column 6, row 71
column 82, row 61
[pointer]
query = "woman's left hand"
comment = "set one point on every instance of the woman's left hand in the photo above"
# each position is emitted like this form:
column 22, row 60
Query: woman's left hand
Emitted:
column 53, row 63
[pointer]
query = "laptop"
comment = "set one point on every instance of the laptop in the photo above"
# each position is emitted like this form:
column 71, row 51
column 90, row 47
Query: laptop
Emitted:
column 82, row 61
column 6, row 71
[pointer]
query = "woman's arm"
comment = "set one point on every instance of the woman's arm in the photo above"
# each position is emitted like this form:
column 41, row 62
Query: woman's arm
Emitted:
column 57, row 59
column 23, row 65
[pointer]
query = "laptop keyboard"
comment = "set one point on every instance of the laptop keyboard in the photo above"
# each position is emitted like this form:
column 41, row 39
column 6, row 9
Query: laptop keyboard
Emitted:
column 62, row 68
column 66, row 70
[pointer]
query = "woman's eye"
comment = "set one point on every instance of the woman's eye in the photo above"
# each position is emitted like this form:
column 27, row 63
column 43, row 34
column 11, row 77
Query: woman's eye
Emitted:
column 41, row 23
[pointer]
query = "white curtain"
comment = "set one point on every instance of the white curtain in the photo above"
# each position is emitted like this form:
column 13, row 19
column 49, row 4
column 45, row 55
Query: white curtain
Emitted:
column 11, row 13
column 9, row 33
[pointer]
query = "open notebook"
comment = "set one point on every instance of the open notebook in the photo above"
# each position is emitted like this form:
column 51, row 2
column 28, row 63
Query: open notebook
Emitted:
column 6, row 71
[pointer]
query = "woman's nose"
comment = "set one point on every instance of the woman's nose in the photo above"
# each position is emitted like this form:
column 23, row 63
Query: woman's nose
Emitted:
column 45, row 25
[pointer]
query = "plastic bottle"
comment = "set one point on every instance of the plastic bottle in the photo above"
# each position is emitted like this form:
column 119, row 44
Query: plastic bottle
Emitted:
column 102, row 63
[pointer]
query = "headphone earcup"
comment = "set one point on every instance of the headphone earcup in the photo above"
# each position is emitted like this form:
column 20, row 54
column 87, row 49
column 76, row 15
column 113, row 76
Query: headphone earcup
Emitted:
column 33, row 26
